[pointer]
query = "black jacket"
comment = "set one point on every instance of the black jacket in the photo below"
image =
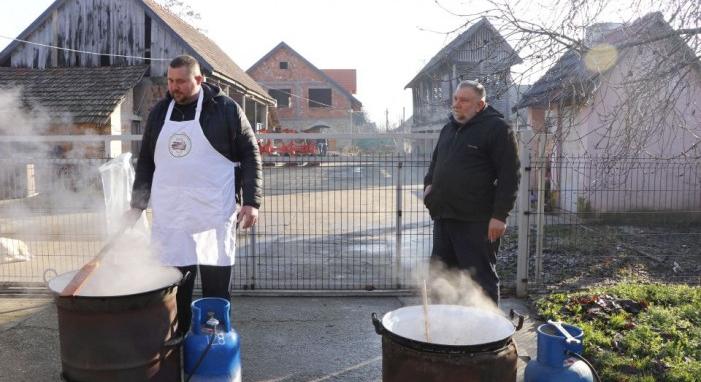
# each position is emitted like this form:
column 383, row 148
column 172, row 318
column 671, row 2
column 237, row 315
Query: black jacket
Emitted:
column 226, row 128
column 474, row 171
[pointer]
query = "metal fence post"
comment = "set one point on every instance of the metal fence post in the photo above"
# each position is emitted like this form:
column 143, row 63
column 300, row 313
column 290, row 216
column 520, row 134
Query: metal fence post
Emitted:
column 540, row 212
column 252, row 244
column 523, row 211
column 398, row 238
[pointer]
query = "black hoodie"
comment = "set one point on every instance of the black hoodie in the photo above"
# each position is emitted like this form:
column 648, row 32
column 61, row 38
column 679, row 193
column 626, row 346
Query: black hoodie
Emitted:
column 474, row 171
column 226, row 128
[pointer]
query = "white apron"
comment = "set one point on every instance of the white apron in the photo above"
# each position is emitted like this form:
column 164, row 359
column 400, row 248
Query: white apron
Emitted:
column 192, row 196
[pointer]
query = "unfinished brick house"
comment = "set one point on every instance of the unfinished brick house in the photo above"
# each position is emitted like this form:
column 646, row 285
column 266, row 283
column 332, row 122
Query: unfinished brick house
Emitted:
column 308, row 98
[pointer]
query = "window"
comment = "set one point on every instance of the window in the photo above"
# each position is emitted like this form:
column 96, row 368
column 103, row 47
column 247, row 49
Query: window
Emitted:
column 319, row 97
column 437, row 93
column 284, row 65
column 282, row 96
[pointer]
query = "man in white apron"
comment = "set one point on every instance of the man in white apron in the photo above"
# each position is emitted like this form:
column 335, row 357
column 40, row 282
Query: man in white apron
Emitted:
column 193, row 143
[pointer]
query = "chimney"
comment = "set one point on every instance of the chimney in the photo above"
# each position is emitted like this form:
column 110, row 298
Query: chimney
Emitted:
column 595, row 33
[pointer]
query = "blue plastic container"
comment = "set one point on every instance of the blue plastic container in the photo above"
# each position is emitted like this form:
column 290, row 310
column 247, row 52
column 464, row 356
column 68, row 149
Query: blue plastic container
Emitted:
column 553, row 363
column 222, row 360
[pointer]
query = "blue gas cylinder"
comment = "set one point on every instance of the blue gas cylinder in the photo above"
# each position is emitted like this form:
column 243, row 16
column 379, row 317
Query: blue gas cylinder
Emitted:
column 212, row 348
column 554, row 362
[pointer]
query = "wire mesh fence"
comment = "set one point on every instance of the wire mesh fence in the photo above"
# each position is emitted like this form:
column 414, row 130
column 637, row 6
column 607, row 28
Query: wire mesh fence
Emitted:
column 356, row 221
column 604, row 220
column 341, row 223
column 333, row 222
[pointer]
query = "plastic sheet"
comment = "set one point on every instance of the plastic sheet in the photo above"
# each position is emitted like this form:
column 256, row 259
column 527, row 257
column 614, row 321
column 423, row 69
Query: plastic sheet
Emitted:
column 117, row 181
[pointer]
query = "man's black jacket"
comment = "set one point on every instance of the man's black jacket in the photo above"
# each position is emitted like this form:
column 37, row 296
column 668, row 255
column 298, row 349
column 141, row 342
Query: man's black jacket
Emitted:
column 226, row 128
column 474, row 171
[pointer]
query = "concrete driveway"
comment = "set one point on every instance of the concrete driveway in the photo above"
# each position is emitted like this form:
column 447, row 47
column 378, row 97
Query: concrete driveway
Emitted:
column 283, row 338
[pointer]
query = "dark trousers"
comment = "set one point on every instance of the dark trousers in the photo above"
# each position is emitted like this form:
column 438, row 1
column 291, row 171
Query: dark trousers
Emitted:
column 215, row 283
column 464, row 245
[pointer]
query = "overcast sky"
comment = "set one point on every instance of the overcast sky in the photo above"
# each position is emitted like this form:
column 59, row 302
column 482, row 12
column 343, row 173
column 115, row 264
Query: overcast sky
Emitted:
column 386, row 41
column 381, row 39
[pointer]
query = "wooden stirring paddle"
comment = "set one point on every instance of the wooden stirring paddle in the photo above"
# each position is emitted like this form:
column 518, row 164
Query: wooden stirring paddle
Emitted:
column 81, row 277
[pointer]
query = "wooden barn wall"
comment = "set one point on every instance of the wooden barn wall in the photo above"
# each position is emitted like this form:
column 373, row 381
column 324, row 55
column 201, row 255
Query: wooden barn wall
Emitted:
column 483, row 57
column 100, row 26
column 483, row 46
column 32, row 56
column 164, row 44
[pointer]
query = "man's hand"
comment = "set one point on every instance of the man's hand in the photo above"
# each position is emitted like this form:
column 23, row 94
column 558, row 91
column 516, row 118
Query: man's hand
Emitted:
column 496, row 229
column 248, row 217
column 427, row 190
column 131, row 216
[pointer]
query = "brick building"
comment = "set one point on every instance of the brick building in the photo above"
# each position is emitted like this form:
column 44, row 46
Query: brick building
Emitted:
column 308, row 98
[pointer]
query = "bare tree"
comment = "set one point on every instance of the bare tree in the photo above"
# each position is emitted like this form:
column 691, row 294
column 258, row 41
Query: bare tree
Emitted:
column 184, row 10
column 645, row 71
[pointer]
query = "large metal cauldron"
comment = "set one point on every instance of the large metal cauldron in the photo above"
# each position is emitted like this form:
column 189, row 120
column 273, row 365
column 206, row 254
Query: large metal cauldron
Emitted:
column 467, row 345
column 117, row 338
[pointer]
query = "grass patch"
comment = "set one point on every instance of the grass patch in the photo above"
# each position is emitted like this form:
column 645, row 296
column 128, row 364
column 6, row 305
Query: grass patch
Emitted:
column 635, row 332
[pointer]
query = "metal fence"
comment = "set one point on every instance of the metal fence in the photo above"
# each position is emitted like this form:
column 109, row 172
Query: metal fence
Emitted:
column 356, row 221
column 335, row 222
column 606, row 220
column 342, row 223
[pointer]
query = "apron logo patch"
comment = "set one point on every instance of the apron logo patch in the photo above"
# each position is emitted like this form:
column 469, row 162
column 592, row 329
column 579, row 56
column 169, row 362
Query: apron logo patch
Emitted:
column 179, row 145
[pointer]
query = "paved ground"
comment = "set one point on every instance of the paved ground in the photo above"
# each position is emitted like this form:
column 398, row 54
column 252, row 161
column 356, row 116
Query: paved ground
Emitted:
column 283, row 338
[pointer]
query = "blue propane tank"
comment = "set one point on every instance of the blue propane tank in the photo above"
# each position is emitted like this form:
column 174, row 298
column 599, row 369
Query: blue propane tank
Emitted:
column 212, row 349
column 553, row 363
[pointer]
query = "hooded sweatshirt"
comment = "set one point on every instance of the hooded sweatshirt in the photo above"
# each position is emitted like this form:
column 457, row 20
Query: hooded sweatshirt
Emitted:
column 474, row 170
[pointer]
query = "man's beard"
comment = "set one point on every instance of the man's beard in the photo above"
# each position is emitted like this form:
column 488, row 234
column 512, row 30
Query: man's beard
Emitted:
column 182, row 99
column 459, row 118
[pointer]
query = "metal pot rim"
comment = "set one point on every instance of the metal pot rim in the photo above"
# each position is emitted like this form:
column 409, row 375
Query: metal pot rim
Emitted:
column 57, row 293
column 383, row 327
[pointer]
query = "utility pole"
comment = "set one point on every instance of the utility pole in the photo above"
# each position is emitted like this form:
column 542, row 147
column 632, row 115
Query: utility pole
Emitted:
column 403, row 129
column 386, row 120
column 404, row 118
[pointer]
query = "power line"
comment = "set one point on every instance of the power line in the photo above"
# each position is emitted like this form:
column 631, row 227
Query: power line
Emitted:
column 308, row 99
column 84, row 51
column 149, row 59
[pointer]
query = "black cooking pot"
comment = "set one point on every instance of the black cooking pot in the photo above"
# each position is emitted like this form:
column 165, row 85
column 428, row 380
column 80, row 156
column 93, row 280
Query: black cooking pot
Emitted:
column 467, row 344
column 118, row 338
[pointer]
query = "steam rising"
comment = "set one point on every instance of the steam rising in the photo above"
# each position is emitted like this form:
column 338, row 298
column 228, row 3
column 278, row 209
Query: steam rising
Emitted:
column 456, row 287
column 22, row 117
column 458, row 313
column 128, row 268
column 52, row 204
column 16, row 120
